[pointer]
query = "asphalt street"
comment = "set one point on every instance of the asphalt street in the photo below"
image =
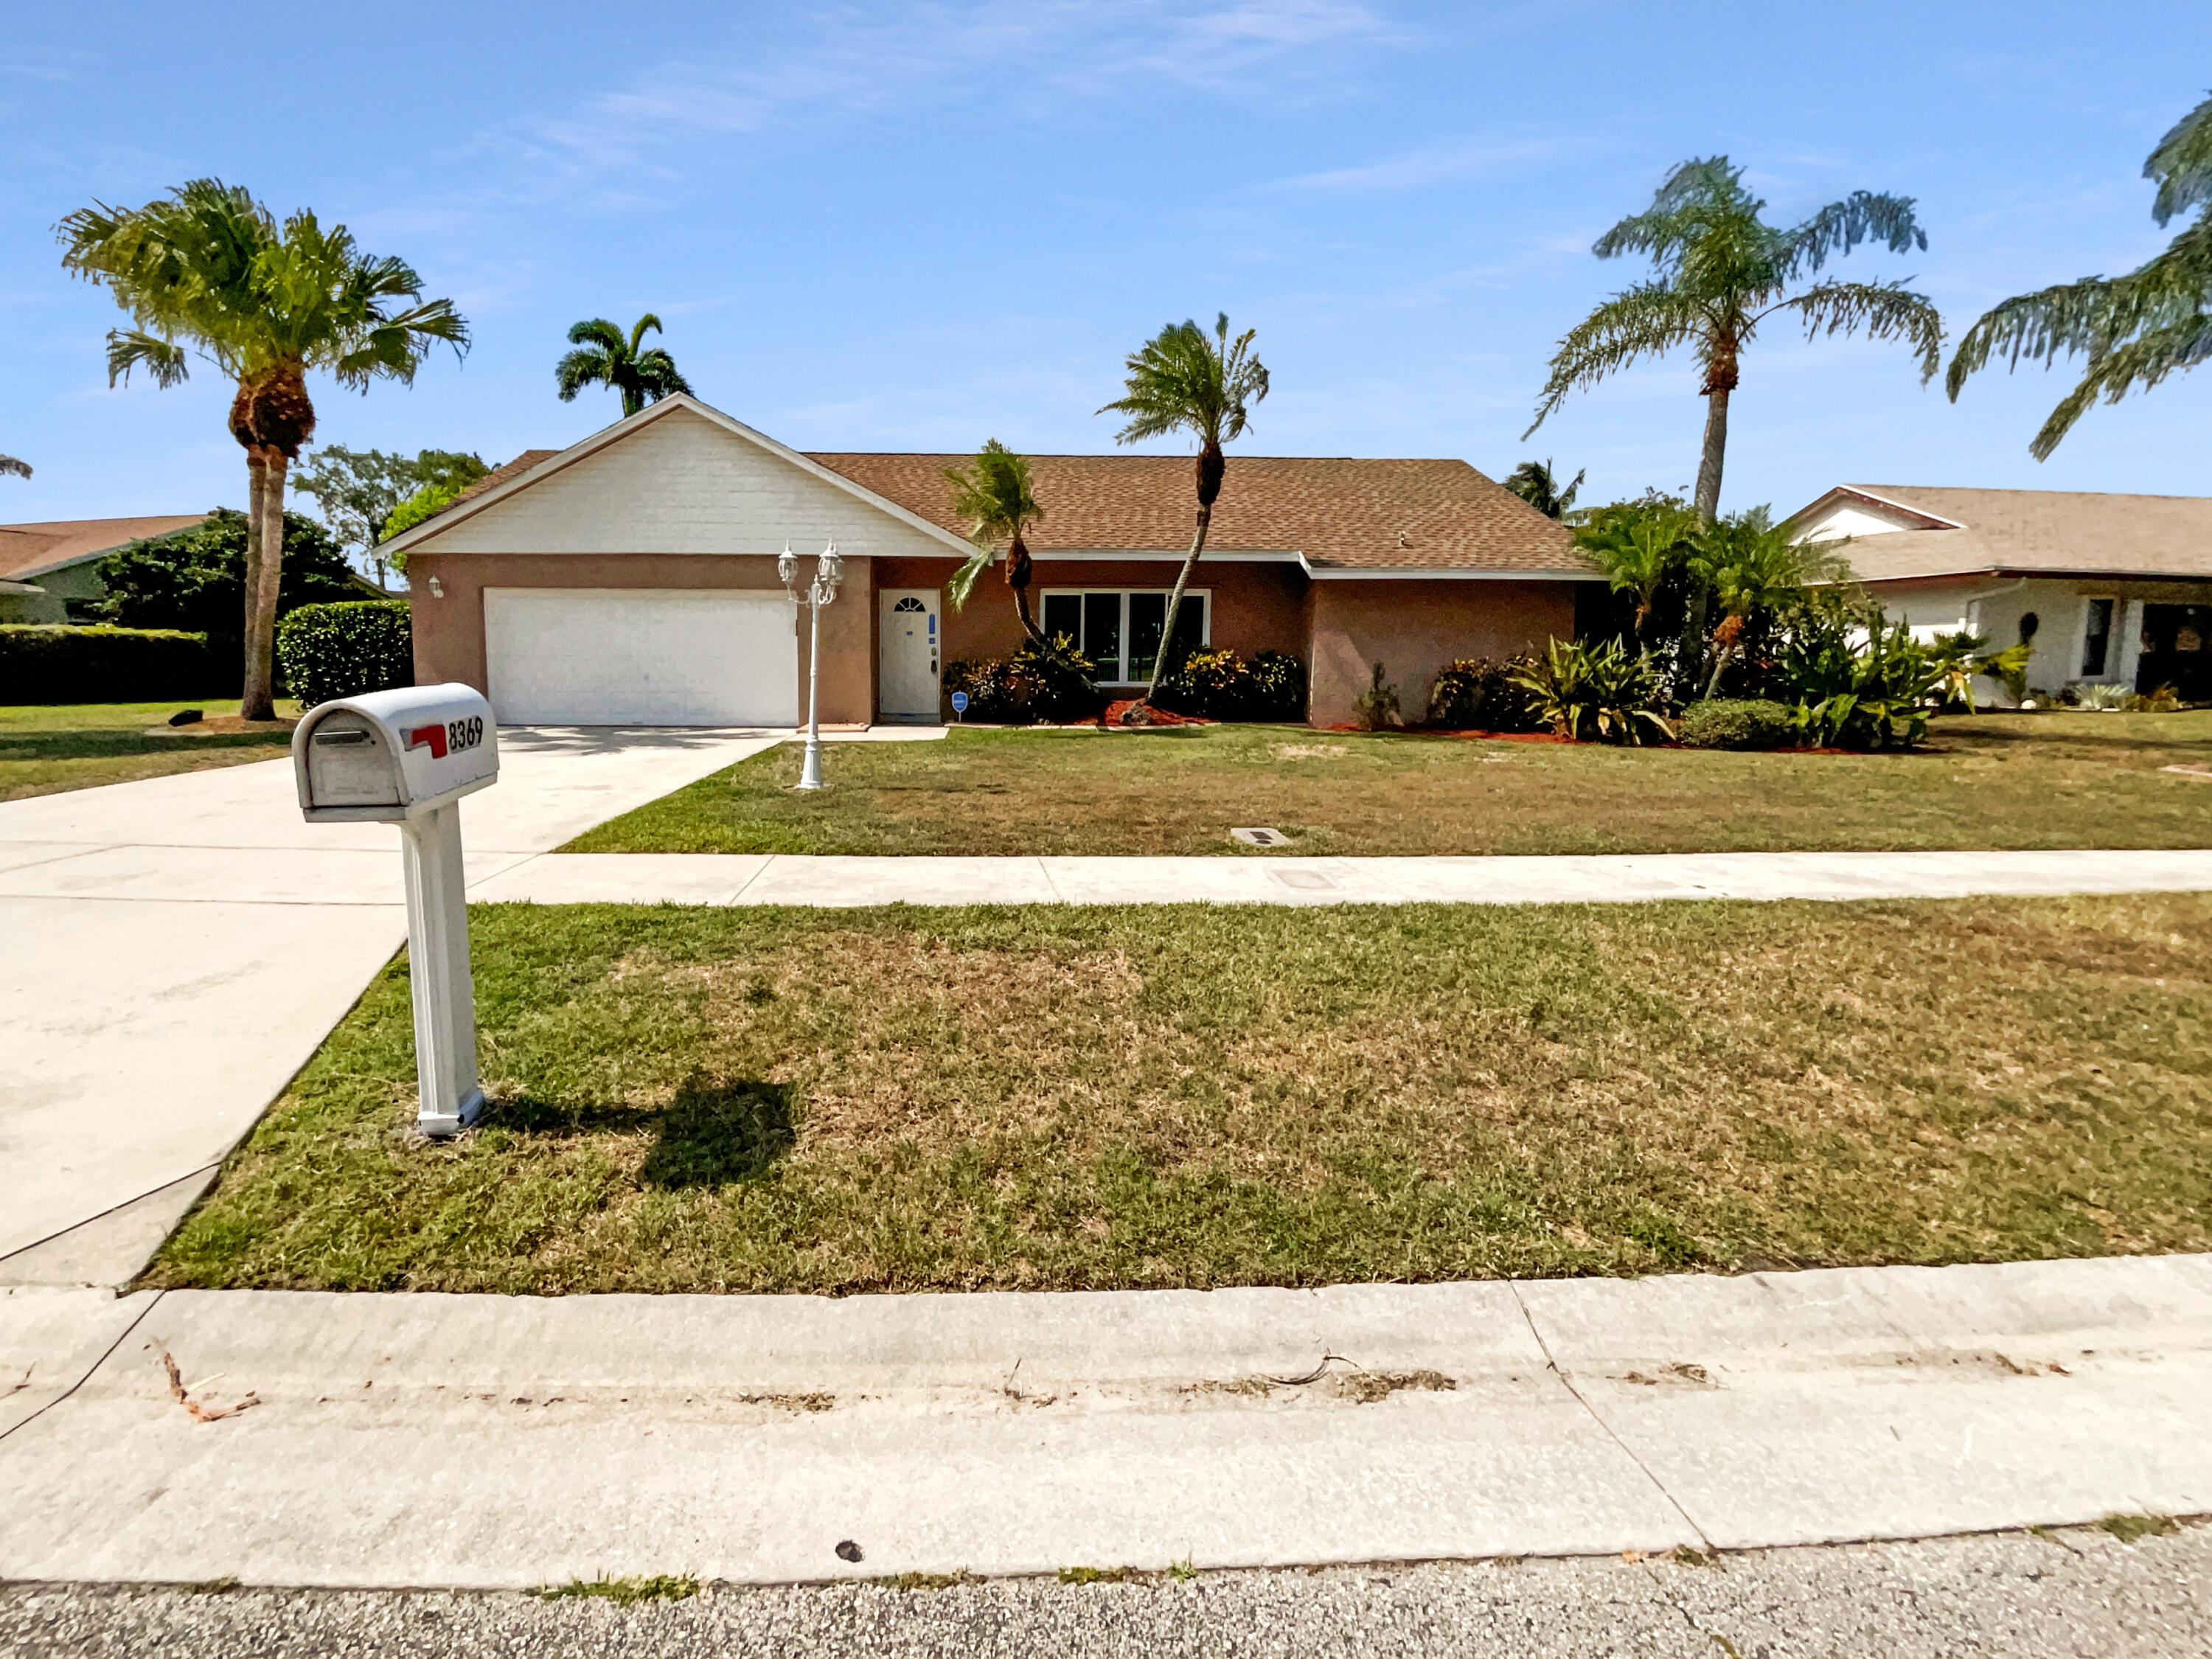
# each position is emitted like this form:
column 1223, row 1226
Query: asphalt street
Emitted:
column 2076, row 1593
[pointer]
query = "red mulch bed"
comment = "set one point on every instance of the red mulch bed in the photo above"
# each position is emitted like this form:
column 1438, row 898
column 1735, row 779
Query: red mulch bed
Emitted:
column 1112, row 717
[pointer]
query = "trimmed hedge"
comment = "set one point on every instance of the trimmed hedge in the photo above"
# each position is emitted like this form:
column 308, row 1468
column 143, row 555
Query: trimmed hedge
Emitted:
column 330, row 651
column 1220, row 685
column 1475, row 694
column 58, row 662
column 1738, row 723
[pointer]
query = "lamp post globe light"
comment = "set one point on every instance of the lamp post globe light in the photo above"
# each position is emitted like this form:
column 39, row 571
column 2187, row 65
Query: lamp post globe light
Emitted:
column 828, row 576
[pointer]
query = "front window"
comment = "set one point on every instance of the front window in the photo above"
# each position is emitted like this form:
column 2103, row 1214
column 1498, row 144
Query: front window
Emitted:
column 1119, row 629
column 2097, row 638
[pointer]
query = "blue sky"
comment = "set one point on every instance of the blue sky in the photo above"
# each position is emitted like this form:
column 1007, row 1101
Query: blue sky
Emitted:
column 907, row 226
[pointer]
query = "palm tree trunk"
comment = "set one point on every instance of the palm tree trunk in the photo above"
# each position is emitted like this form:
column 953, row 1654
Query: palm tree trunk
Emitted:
column 1160, row 661
column 256, row 478
column 1716, row 452
column 259, row 700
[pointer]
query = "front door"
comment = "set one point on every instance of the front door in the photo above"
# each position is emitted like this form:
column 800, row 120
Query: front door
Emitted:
column 910, row 657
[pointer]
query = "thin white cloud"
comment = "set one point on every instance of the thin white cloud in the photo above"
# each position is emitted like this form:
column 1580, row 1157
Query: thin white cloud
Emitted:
column 853, row 62
column 1436, row 164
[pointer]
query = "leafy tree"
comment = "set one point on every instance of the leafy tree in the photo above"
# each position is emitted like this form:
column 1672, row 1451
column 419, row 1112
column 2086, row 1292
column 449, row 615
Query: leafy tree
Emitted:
column 603, row 356
column 358, row 490
column 1181, row 381
column 208, row 269
column 10, row 466
column 195, row 579
column 2135, row 329
column 1534, row 482
column 1720, row 271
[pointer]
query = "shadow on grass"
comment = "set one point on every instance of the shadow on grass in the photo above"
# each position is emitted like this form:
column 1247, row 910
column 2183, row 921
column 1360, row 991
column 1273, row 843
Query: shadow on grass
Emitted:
column 715, row 1131
column 98, row 743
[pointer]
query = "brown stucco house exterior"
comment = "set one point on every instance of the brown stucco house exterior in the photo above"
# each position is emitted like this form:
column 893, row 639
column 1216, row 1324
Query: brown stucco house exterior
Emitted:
column 630, row 578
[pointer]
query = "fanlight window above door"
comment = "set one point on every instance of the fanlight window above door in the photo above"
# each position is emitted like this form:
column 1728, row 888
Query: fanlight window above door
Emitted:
column 910, row 603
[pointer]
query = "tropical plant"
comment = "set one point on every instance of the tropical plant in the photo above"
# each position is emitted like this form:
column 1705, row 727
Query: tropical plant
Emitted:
column 604, row 355
column 1475, row 694
column 1721, row 271
column 1182, row 380
column 10, row 467
column 1378, row 706
column 997, row 495
column 1048, row 682
column 1748, row 566
column 1223, row 686
column 2102, row 698
column 1640, row 546
column 1534, row 482
column 1861, row 680
column 209, row 270
column 1584, row 690
column 357, row 490
column 2133, row 331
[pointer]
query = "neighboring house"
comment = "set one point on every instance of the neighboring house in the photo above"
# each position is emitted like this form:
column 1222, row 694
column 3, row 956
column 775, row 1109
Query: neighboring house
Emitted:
column 630, row 579
column 50, row 573
column 2103, row 589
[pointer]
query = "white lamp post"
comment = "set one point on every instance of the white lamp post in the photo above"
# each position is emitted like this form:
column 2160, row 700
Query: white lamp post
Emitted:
column 828, row 575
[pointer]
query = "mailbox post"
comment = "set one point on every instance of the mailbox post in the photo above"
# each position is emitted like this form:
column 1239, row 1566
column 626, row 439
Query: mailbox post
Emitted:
column 407, row 757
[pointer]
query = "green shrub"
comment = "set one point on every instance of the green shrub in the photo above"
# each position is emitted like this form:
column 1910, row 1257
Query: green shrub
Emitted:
column 1738, row 723
column 330, row 651
column 1223, row 686
column 1377, row 705
column 1600, row 691
column 52, row 662
column 1029, row 686
column 1477, row 695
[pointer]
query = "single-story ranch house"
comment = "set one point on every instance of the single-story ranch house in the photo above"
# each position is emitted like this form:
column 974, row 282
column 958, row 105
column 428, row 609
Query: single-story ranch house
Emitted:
column 50, row 572
column 2103, row 589
column 630, row 578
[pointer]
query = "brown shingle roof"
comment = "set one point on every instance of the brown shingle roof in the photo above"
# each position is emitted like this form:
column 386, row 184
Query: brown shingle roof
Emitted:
column 27, row 551
column 1345, row 514
column 498, row 476
column 2057, row 530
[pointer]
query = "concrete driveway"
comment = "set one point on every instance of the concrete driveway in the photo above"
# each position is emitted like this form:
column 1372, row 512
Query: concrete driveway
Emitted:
column 178, row 947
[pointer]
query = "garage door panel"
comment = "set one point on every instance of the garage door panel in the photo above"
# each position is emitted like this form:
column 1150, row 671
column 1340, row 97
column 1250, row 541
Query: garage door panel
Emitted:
column 576, row 656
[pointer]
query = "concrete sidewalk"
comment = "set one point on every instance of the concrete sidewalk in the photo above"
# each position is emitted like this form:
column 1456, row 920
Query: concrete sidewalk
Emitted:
column 786, row 879
column 178, row 947
column 486, row 1440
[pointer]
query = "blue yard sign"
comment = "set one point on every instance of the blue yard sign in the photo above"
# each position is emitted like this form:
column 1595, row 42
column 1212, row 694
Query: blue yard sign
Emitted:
column 959, row 702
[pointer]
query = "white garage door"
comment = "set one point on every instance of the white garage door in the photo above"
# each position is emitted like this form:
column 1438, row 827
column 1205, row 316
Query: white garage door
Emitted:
column 613, row 656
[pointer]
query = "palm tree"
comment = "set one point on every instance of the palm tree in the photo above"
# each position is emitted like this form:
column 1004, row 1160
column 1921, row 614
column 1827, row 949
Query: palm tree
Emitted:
column 1638, row 545
column 2135, row 330
column 1534, row 482
column 604, row 357
column 994, row 493
column 1180, row 381
column 1721, row 271
column 210, row 271
column 9, row 466
column 1752, row 565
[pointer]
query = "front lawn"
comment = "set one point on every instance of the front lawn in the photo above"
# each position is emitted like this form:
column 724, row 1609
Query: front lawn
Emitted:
column 2011, row 780
column 695, row 1099
column 45, row 748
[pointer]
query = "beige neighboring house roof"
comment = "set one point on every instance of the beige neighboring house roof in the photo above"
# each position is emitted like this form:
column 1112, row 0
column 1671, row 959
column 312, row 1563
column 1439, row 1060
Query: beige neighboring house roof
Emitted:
column 1337, row 517
column 2058, row 532
column 31, row 551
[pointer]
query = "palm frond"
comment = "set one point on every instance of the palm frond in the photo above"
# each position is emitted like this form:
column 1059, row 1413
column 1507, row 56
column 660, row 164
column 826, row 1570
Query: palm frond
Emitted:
column 637, row 333
column 599, row 332
column 1643, row 321
column 1880, row 310
column 1181, row 380
column 164, row 361
column 586, row 366
column 2182, row 165
column 10, row 467
column 1864, row 215
column 963, row 580
column 2142, row 362
column 996, row 494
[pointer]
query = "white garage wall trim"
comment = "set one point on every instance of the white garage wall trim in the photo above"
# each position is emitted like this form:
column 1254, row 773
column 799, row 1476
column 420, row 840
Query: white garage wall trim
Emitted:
column 613, row 656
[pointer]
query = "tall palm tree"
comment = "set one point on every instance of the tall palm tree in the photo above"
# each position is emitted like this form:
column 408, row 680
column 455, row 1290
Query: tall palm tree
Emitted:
column 995, row 494
column 1721, row 269
column 2135, row 330
column 605, row 357
column 1534, row 482
column 1181, row 381
column 209, row 270
column 9, row 466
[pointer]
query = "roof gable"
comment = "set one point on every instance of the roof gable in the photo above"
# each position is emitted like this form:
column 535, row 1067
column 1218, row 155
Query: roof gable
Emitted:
column 27, row 551
column 2050, row 531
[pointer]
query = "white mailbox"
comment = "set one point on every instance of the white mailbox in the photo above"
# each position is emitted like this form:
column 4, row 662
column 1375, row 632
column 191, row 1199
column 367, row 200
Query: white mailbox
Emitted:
column 392, row 755
column 407, row 757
